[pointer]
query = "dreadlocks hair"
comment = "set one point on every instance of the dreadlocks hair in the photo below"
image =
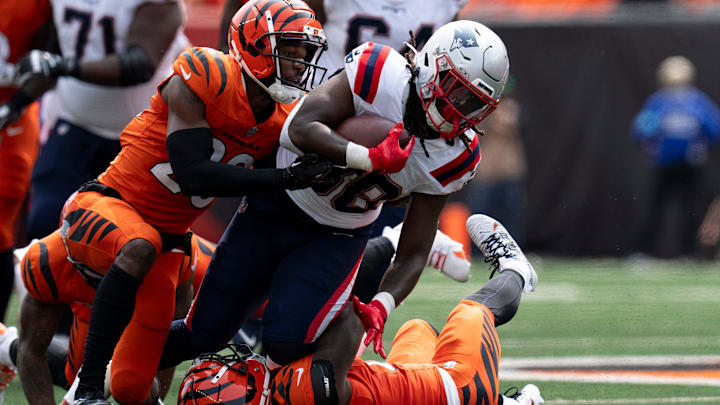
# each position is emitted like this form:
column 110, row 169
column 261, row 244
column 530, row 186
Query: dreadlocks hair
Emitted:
column 413, row 121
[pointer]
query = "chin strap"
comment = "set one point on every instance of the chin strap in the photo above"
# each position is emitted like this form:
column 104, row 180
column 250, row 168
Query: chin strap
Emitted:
column 283, row 94
column 279, row 92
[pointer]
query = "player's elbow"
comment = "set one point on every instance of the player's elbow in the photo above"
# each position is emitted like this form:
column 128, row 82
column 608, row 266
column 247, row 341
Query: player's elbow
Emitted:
column 190, row 184
column 299, row 131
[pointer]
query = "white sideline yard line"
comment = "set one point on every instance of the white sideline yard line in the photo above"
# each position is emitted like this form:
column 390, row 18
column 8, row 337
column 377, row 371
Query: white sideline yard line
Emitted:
column 606, row 379
column 599, row 361
column 675, row 400
column 580, row 369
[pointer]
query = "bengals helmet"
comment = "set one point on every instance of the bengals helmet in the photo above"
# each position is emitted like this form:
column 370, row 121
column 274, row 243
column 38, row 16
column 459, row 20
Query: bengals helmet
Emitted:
column 238, row 378
column 254, row 33
column 462, row 70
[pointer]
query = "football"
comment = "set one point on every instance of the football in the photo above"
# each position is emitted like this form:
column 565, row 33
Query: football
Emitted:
column 369, row 130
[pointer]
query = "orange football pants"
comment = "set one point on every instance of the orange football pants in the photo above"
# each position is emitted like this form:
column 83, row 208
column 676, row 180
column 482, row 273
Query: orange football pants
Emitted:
column 468, row 348
column 94, row 228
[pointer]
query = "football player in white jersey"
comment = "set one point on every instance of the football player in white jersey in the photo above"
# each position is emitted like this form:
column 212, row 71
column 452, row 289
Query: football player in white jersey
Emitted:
column 440, row 94
column 113, row 56
column 388, row 22
column 305, row 245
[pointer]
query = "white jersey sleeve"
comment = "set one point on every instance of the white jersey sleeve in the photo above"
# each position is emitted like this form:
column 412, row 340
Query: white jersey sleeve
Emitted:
column 379, row 79
column 91, row 30
column 350, row 23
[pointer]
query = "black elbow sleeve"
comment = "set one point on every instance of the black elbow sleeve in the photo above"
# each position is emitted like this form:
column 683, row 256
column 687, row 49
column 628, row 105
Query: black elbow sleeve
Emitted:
column 185, row 148
column 135, row 66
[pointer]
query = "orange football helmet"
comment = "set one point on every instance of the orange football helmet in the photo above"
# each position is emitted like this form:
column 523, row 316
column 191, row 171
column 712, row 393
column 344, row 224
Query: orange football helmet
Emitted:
column 254, row 33
column 240, row 377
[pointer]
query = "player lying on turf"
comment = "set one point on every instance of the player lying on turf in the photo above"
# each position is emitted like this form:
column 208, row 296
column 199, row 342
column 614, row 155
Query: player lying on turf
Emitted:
column 460, row 365
column 53, row 282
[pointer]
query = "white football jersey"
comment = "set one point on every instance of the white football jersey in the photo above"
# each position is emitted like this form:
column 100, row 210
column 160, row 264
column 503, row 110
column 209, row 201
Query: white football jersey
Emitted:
column 350, row 23
column 379, row 79
column 90, row 30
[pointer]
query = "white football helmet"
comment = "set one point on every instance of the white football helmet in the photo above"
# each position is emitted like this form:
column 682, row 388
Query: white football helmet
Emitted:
column 462, row 70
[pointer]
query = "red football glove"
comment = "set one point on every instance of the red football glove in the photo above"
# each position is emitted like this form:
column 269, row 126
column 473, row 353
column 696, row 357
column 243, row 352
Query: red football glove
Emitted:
column 373, row 316
column 388, row 156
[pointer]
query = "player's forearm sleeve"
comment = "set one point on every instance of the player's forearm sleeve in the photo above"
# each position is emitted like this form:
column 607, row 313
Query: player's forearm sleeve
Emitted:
column 190, row 150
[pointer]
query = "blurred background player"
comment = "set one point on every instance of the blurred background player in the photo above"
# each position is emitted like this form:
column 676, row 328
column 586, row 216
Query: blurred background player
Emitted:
column 44, row 358
column 23, row 24
column 675, row 130
column 113, row 56
column 211, row 130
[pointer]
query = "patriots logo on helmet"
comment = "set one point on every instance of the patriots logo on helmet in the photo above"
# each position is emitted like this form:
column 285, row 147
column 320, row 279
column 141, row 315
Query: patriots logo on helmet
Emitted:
column 464, row 38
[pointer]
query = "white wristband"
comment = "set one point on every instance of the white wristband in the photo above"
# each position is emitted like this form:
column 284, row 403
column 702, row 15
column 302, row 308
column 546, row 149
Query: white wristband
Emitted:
column 386, row 299
column 358, row 157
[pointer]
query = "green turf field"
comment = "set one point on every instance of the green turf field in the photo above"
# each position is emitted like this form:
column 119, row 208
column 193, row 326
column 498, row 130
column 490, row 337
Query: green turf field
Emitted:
column 590, row 307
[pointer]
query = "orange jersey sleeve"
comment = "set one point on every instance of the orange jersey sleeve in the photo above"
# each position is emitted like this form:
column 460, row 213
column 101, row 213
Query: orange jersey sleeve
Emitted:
column 205, row 71
column 383, row 383
column 372, row 384
column 142, row 174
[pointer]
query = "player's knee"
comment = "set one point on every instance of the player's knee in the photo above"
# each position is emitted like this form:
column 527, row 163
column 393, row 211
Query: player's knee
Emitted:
column 136, row 258
column 203, row 342
column 417, row 325
column 286, row 352
column 131, row 386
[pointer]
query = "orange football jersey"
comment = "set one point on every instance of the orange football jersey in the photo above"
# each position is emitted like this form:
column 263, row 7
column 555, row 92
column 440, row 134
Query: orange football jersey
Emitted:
column 383, row 384
column 19, row 22
column 372, row 384
column 141, row 172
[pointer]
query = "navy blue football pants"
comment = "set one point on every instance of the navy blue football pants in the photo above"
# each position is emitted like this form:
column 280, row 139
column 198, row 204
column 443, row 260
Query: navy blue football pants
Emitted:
column 272, row 251
column 71, row 156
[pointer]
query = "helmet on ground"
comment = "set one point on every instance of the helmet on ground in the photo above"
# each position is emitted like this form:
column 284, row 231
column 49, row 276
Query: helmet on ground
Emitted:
column 253, row 37
column 462, row 70
column 237, row 378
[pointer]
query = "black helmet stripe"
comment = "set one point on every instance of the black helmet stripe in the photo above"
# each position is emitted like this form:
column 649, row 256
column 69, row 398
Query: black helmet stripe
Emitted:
column 262, row 8
column 295, row 16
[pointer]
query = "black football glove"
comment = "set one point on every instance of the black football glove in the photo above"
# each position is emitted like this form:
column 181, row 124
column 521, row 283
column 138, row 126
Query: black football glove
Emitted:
column 307, row 171
column 45, row 65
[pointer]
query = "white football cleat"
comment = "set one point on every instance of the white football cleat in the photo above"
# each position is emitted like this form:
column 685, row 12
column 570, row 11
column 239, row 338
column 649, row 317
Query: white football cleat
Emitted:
column 7, row 370
column 500, row 249
column 529, row 395
column 446, row 254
